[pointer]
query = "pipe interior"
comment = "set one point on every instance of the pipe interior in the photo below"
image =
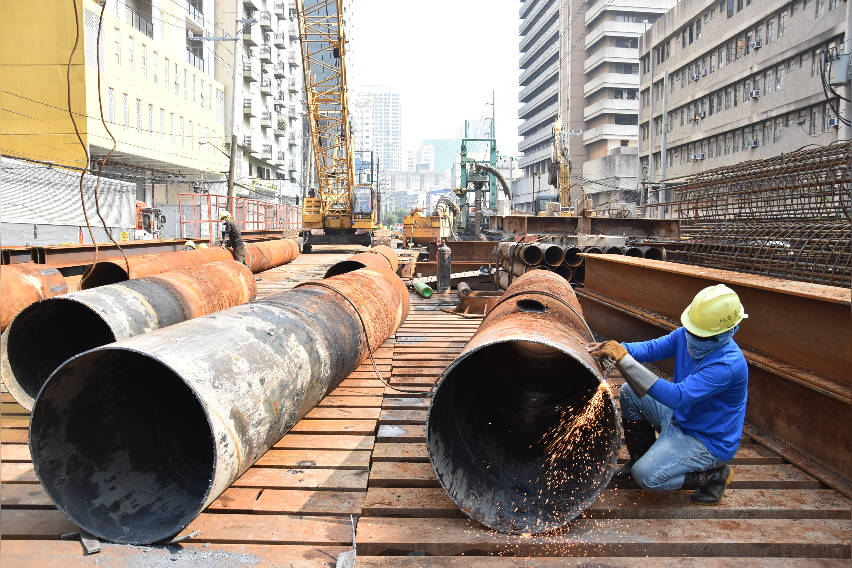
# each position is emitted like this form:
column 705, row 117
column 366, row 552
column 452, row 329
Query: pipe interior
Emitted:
column 579, row 274
column 634, row 252
column 46, row 334
column 123, row 446
column 104, row 273
column 554, row 256
column 343, row 267
column 654, row 253
column 614, row 250
column 486, row 428
column 572, row 256
column 531, row 255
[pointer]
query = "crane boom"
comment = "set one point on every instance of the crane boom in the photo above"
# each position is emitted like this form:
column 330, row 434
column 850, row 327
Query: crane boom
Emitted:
column 323, row 45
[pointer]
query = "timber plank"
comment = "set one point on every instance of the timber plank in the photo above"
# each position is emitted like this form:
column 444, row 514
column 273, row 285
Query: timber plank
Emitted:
column 324, row 442
column 14, row 452
column 359, row 391
column 322, row 459
column 266, row 501
column 357, row 383
column 13, row 435
column 402, row 433
column 24, row 495
column 69, row 554
column 399, row 474
column 583, row 562
column 613, row 537
column 405, row 402
column 400, row 452
column 636, row 504
column 15, row 421
column 363, row 427
column 35, row 523
column 403, row 417
column 307, row 478
column 22, row 472
column 350, row 401
column 270, row 529
column 340, row 413
column 10, row 408
column 419, row 364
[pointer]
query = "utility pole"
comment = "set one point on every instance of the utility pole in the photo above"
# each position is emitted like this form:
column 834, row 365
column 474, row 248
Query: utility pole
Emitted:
column 663, row 197
column 232, row 164
column 844, row 132
column 651, row 126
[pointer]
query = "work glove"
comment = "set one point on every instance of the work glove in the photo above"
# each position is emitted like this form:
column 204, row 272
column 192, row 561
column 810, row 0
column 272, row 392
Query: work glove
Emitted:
column 612, row 349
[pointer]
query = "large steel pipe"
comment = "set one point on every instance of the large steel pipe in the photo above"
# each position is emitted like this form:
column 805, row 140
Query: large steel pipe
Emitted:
column 116, row 270
column 573, row 256
column 525, row 380
column 49, row 332
column 134, row 439
column 552, row 254
column 23, row 284
column 377, row 258
column 263, row 255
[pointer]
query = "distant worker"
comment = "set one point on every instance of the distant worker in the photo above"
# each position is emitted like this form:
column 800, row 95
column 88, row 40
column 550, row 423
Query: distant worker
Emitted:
column 202, row 246
column 189, row 245
column 232, row 238
column 699, row 415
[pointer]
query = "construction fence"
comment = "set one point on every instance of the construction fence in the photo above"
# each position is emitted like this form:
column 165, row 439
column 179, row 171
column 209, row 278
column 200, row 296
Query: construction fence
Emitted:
column 199, row 216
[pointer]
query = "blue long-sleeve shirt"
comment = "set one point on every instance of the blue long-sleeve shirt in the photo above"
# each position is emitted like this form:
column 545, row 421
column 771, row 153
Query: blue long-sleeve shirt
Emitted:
column 708, row 396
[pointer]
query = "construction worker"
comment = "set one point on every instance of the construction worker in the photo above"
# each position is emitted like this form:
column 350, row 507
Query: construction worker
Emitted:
column 232, row 238
column 189, row 245
column 699, row 415
column 202, row 246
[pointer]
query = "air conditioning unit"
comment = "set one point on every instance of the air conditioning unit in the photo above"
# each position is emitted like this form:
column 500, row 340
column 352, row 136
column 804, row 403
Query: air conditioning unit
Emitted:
column 833, row 122
column 704, row 72
column 702, row 114
column 752, row 143
column 754, row 94
column 695, row 76
column 696, row 157
column 756, row 44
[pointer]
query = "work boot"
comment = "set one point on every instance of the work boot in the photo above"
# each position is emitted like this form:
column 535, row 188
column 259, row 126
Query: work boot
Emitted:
column 639, row 437
column 709, row 485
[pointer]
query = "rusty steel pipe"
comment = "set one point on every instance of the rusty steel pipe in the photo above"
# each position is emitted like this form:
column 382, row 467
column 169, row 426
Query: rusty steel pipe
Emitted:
column 552, row 254
column 634, row 252
column 25, row 283
column 181, row 412
column 263, row 255
column 377, row 258
column 614, row 250
column 572, row 256
column 48, row 332
column 593, row 250
column 654, row 253
column 579, row 274
column 115, row 270
column 524, row 375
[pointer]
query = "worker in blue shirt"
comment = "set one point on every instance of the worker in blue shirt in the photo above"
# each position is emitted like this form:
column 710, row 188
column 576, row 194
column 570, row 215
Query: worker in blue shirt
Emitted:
column 699, row 415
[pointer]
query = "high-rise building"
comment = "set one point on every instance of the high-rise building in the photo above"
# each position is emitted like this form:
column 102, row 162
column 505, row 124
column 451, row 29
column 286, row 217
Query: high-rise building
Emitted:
column 163, row 108
column 743, row 82
column 378, row 116
column 579, row 63
column 269, row 98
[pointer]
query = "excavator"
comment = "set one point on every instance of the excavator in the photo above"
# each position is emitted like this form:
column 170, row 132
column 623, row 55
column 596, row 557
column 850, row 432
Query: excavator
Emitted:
column 339, row 211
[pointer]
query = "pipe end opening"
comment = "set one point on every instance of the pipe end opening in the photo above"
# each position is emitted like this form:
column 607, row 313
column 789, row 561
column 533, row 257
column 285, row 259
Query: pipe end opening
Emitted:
column 104, row 273
column 343, row 267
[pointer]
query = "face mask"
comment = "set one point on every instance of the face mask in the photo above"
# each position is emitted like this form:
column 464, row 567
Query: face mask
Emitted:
column 700, row 347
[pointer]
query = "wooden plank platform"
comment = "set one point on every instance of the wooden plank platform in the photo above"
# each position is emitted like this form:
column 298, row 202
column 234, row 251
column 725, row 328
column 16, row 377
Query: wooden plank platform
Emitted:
column 362, row 453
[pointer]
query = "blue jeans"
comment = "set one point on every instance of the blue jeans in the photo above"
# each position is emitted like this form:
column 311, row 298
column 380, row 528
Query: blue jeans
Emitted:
column 662, row 468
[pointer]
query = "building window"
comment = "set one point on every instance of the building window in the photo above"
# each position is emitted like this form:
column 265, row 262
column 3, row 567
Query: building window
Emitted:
column 138, row 116
column 154, row 64
column 736, row 145
column 177, row 80
column 130, row 61
column 778, row 73
column 194, row 80
column 150, row 120
column 816, row 121
column 126, row 111
column 117, row 46
column 734, row 97
column 162, row 123
column 782, row 23
column 111, row 105
column 166, row 73
column 172, row 127
column 769, row 81
column 820, row 8
column 143, row 60
column 770, row 30
column 793, row 7
column 779, row 127
column 185, row 85
column 180, row 131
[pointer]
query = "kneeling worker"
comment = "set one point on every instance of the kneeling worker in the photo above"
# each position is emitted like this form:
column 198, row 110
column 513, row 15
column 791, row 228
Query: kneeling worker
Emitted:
column 700, row 414
column 232, row 238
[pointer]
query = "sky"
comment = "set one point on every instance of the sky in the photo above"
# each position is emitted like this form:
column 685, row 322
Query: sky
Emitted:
column 444, row 57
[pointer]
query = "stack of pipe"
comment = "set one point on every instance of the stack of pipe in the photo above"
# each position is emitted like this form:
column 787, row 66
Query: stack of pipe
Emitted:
column 260, row 256
column 50, row 331
column 133, row 440
column 23, row 284
column 499, row 430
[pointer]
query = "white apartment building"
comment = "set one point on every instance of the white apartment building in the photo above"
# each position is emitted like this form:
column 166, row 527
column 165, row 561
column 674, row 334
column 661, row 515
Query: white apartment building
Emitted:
column 743, row 82
column 377, row 126
column 269, row 97
column 579, row 62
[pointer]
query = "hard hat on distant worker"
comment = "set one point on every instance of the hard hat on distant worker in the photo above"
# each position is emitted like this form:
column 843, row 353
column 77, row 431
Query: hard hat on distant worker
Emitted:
column 714, row 310
column 224, row 215
column 189, row 245
column 202, row 246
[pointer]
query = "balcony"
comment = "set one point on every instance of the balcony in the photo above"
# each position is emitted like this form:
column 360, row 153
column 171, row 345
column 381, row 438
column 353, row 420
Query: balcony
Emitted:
column 615, row 80
column 535, row 66
column 544, row 117
column 139, row 21
column 294, row 31
column 280, row 9
column 281, row 129
column 266, row 119
column 281, row 159
column 550, row 38
column 266, row 151
column 195, row 12
column 264, row 18
column 265, row 86
column 611, row 28
column 247, row 142
column 611, row 132
column 293, row 114
column 549, row 18
column 279, row 39
column 535, row 157
column 292, row 60
column 548, row 74
column 291, row 139
column 194, row 60
column 532, row 106
column 611, row 106
column 611, row 55
column 536, row 137
column 265, row 54
column 251, row 4
column 248, row 107
column 644, row 6
column 251, row 35
column 279, row 71
column 249, row 72
column 291, row 86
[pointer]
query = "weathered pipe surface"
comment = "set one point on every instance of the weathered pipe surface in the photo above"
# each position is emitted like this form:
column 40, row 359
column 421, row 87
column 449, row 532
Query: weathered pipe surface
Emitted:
column 552, row 254
column 463, row 289
column 377, row 258
column 593, row 250
column 133, row 440
column 573, row 256
column 23, row 284
column 263, row 255
column 115, row 270
column 49, row 332
column 524, row 375
column 525, row 253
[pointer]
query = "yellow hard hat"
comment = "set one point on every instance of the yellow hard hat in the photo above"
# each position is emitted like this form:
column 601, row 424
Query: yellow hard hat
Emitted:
column 202, row 246
column 714, row 310
column 224, row 215
column 189, row 245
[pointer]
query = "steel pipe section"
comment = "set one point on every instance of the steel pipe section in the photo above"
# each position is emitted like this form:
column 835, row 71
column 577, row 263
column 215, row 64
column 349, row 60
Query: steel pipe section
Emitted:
column 524, row 375
column 49, row 332
column 572, row 256
column 552, row 254
column 377, row 258
column 133, row 440
column 116, row 270
column 25, row 283
column 263, row 255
